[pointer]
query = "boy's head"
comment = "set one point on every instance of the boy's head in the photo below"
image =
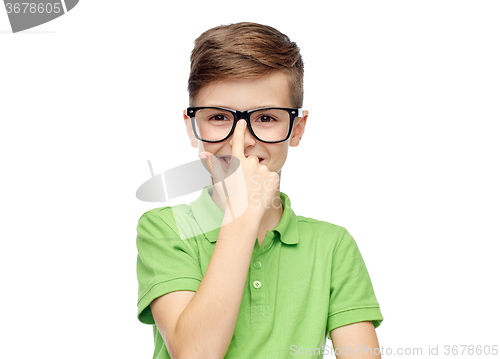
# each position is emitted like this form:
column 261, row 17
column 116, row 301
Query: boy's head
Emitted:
column 245, row 51
column 244, row 67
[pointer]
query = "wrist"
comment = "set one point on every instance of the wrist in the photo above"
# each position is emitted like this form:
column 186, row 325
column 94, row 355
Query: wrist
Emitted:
column 249, row 219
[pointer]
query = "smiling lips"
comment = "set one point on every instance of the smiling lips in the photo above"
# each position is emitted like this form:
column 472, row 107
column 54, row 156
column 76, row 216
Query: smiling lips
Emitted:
column 225, row 159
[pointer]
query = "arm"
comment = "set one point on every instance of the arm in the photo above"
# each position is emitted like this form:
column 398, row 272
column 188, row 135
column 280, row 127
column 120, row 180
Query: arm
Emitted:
column 201, row 324
column 357, row 340
column 354, row 311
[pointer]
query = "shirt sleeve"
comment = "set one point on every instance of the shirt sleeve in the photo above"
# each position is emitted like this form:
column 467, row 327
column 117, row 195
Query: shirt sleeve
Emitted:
column 352, row 298
column 165, row 263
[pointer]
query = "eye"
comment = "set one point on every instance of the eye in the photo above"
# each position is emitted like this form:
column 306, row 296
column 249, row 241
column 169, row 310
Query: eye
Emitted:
column 265, row 118
column 218, row 118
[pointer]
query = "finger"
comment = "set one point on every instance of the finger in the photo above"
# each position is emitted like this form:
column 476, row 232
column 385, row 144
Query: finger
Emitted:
column 254, row 158
column 238, row 139
column 213, row 165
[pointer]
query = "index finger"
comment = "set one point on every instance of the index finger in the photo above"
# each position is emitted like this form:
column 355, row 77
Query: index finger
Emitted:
column 238, row 139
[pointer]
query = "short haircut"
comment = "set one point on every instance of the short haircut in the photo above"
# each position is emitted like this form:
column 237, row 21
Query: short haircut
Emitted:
column 245, row 50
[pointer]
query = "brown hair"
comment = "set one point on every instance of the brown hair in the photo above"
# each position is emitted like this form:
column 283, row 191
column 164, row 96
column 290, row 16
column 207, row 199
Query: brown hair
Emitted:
column 245, row 50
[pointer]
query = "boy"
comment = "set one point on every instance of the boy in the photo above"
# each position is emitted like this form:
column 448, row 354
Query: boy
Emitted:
column 236, row 274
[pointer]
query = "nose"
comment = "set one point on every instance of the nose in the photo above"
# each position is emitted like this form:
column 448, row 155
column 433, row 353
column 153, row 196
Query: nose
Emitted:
column 248, row 139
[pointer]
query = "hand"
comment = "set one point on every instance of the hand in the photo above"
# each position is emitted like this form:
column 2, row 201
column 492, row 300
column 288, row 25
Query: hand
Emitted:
column 248, row 187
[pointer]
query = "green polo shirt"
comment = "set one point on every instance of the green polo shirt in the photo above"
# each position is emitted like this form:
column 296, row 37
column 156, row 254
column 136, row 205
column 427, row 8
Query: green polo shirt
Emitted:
column 307, row 278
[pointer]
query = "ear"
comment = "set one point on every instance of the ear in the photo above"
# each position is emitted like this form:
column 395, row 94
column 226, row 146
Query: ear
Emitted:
column 299, row 126
column 189, row 130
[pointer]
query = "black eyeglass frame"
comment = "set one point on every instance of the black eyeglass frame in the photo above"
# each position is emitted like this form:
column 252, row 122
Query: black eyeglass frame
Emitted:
column 238, row 115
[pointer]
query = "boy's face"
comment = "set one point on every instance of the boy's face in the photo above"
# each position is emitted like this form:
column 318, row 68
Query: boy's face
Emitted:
column 247, row 94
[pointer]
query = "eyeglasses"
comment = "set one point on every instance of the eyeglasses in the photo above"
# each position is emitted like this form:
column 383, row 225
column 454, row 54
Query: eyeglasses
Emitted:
column 267, row 124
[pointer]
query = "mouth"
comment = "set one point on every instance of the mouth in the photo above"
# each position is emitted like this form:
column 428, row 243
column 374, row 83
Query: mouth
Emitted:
column 224, row 160
column 227, row 159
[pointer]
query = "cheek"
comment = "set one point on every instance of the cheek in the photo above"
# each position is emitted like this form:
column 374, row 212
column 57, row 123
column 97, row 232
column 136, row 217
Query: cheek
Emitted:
column 210, row 147
column 279, row 152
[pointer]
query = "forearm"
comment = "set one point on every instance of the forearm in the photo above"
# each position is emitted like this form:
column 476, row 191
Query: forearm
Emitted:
column 206, row 326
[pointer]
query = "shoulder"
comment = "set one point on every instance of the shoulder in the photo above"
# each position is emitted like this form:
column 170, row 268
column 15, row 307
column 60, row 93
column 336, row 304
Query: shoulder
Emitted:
column 164, row 218
column 166, row 214
column 322, row 231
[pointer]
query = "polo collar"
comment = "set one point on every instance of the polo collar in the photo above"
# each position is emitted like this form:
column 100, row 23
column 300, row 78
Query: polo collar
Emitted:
column 209, row 217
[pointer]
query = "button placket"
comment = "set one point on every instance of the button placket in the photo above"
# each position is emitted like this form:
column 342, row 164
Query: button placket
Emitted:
column 259, row 309
column 256, row 283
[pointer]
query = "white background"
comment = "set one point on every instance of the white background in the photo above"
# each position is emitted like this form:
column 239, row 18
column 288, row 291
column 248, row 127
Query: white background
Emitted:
column 401, row 148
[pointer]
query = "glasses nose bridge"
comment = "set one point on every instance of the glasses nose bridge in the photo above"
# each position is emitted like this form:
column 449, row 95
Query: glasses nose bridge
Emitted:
column 241, row 115
column 244, row 115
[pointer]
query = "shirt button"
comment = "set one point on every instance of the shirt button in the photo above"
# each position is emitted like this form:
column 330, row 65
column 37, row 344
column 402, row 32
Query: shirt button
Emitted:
column 257, row 284
column 257, row 264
